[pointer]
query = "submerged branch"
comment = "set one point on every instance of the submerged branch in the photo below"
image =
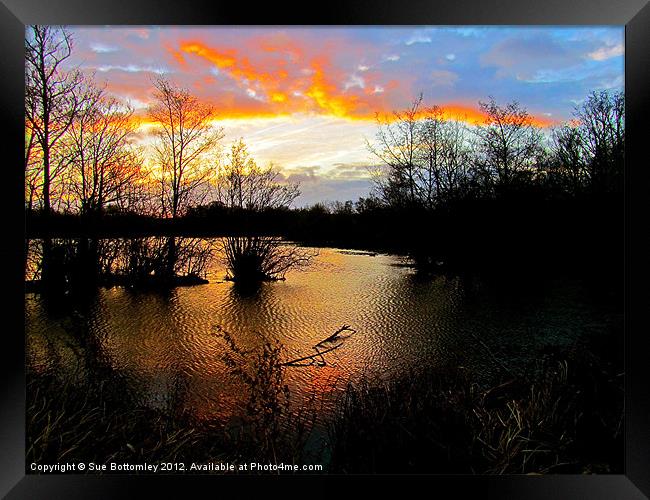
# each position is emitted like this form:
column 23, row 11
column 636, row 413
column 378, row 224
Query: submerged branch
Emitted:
column 294, row 362
column 335, row 335
column 319, row 353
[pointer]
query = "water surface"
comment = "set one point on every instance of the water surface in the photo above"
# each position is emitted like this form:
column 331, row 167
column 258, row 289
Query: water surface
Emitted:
column 166, row 345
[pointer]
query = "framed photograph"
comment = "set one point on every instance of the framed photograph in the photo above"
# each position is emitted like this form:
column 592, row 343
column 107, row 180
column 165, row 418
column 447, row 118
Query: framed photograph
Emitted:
column 360, row 242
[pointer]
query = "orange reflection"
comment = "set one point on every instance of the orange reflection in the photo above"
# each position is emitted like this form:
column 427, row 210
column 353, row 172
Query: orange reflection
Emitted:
column 323, row 379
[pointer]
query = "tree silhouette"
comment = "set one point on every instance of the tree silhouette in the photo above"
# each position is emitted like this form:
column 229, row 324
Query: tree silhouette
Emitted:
column 33, row 169
column 509, row 145
column 103, row 162
column 397, row 144
column 426, row 157
column 52, row 97
column 444, row 157
column 185, row 139
column 244, row 186
column 589, row 151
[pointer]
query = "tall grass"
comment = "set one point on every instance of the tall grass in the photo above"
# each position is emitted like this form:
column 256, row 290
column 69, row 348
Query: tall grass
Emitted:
column 99, row 418
column 68, row 421
column 271, row 428
column 565, row 418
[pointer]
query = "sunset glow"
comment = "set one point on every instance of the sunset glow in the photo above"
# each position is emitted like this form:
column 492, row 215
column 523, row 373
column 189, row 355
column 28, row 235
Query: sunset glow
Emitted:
column 307, row 99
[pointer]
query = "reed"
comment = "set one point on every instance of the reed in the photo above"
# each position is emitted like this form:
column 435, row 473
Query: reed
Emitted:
column 566, row 418
column 76, row 421
column 99, row 419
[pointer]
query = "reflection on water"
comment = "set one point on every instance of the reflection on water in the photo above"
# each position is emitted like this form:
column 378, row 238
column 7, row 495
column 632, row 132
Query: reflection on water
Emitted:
column 166, row 344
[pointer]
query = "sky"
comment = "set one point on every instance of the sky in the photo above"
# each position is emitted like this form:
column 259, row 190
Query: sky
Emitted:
column 305, row 98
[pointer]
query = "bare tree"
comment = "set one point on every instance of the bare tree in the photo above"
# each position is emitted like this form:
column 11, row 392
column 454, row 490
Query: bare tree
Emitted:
column 588, row 152
column 243, row 185
column 426, row 157
column 185, row 138
column 509, row 143
column 444, row 157
column 602, row 128
column 103, row 161
column 569, row 164
column 397, row 145
column 51, row 97
column 33, row 169
column 251, row 259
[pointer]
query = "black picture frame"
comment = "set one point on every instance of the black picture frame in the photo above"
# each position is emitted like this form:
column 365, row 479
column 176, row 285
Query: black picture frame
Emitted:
column 634, row 14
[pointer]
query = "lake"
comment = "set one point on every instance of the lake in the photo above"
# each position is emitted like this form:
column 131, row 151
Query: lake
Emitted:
column 166, row 345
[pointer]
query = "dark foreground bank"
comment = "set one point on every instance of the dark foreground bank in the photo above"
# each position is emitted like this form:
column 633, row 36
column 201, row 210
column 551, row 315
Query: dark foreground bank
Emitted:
column 564, row 416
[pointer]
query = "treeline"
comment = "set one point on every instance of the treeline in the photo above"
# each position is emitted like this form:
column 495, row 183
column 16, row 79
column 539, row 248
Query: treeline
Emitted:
column 502, row 194
column 84, row 153
column 429, row 161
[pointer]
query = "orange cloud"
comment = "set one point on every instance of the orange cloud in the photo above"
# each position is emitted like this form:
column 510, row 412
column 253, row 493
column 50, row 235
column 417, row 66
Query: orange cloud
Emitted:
column 284, row 80
column 278, row 43
column 278, row 97
column 467, row 114
column 462, row 113
column 475, row 116
column 325, row 95
column 177, row 55
column 239, row 68
column 312, row 92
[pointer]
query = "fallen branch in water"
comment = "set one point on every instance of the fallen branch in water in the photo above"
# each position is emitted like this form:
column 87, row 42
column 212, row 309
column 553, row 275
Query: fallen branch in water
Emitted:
column 318, row 353
column 334, row 336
